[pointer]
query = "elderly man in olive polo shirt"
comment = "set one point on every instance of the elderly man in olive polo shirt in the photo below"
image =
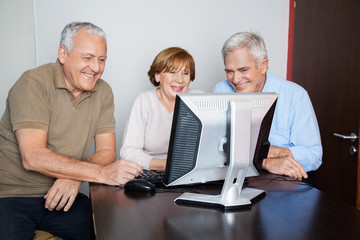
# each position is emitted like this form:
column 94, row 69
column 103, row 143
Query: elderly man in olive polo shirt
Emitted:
column 53, row 113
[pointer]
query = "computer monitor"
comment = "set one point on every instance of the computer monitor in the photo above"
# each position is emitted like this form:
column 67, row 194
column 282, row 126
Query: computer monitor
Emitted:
column 219, row 137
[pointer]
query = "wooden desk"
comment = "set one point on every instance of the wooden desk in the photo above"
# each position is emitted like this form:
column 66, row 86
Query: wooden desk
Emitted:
column 288, row 211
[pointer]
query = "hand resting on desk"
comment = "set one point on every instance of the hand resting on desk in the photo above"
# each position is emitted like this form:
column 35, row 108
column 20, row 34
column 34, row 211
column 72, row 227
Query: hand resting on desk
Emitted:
column 281, row 161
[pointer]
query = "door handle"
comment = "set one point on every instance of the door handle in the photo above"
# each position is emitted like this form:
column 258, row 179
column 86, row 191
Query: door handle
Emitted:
column 352, row 136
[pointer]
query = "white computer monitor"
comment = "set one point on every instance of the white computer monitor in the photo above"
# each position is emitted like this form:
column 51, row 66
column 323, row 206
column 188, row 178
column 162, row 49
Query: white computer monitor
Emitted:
column 219, row 137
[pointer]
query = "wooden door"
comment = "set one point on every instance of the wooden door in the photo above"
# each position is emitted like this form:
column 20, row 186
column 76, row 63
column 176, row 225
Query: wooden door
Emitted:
column 326, row 62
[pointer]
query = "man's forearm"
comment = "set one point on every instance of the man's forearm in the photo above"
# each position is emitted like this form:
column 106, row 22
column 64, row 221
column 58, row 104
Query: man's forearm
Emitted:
column 105, row 149
column 57, row 165
column 37, row 157
column 278, row 152
column 103, row 157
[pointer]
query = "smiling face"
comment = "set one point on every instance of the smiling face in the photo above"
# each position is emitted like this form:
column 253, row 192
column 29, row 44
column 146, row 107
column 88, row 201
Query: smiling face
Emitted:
column 85, row 63
column 242, row 71
column 173, row 82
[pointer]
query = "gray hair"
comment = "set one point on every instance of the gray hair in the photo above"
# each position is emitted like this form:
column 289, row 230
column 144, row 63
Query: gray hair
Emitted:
column 252, row 41
column 70, row 30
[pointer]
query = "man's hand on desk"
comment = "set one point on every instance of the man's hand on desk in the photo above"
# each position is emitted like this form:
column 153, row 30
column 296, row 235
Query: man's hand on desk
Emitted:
column 62, row 194
column 119, row 172
column 281, row 161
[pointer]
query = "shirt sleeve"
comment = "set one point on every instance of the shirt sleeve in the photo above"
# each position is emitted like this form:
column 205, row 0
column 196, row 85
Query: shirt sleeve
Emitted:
column 134, row 134
column 31, row 102
column 106, row 122
column 305, row 141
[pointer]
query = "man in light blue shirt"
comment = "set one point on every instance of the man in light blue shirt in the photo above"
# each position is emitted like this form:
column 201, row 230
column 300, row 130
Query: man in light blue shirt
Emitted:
column 294, row 136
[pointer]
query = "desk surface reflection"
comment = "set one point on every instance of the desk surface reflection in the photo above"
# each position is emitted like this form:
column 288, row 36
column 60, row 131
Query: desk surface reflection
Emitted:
column 288, row 211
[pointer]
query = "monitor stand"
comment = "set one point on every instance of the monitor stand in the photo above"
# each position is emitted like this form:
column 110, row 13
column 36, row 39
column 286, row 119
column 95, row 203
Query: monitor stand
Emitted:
column 232, row 195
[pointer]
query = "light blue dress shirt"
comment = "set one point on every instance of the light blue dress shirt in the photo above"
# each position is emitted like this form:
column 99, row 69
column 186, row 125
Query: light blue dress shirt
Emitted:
column 294, row 124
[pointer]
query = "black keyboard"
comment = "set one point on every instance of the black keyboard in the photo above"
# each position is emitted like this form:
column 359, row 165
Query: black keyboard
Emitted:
column 153, row 176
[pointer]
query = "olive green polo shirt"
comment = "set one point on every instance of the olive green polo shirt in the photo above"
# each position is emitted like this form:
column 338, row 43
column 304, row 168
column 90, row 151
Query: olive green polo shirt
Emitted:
column 41, row 100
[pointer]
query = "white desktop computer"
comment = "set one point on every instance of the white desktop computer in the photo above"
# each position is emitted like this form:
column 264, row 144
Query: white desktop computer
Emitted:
column 219, row 137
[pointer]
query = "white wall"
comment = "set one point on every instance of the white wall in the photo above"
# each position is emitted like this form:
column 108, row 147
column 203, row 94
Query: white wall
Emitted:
column 137, row 30
column 17, row 45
